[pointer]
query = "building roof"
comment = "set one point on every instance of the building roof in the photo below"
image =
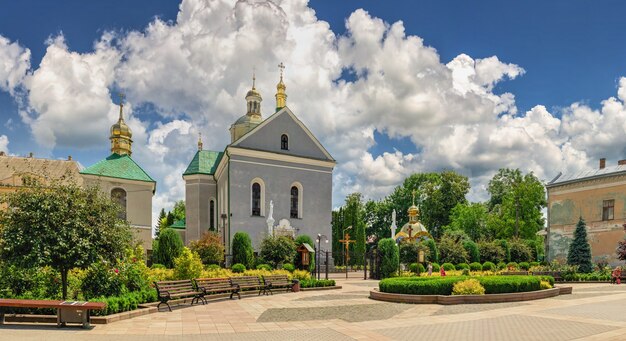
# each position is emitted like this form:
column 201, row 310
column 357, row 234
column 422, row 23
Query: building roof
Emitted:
column 14, row 168
column 120, row 167
column 588, row 174
column 179, row 224
column 204, row 162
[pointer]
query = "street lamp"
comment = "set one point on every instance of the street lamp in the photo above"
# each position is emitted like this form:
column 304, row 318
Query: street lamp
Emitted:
column 319, row 248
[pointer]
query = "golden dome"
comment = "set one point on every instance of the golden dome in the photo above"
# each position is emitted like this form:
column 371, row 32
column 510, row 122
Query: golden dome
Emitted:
column 121, row 129
column 253, row 92
column 121, row 135
column 281, row 96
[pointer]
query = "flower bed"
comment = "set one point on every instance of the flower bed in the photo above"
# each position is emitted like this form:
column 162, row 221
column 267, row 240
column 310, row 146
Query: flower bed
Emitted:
column 444, row 285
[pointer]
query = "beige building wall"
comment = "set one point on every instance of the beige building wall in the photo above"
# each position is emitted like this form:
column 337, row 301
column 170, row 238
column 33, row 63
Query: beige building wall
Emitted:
column 138, row 203
column 568, row 202
column 199, row 190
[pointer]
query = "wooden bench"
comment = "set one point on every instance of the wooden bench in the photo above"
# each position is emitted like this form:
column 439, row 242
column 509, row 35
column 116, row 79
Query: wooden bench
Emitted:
column 214, row 286
column 277, row 281
column 245, row 283
column 67, row 311
column 170, row 290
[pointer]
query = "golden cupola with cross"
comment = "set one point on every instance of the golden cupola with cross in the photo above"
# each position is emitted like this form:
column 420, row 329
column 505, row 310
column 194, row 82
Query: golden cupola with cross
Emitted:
column 414, row 229
column 252, row 118
column 121, row 135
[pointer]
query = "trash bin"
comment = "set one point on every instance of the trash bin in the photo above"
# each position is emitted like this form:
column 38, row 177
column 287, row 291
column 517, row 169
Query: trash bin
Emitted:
column 296, row 285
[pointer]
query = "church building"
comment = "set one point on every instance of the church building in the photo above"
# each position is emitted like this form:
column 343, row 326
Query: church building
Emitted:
column 273, row 178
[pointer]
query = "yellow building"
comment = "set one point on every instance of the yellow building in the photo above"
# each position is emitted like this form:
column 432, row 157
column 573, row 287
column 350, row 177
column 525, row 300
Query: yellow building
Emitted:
column 599, row 197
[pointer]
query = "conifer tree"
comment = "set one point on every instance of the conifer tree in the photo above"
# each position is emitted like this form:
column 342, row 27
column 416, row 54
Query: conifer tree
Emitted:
column 580, row 250
column 158, row 226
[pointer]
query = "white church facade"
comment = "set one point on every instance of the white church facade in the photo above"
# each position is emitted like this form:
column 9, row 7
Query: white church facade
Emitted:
column 273, row 177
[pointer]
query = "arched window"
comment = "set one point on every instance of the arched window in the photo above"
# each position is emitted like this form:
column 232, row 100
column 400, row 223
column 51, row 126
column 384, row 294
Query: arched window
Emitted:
column 256, row 199
column 212, row 215
column 295, row 197
column 118, row 195
column 284, row 142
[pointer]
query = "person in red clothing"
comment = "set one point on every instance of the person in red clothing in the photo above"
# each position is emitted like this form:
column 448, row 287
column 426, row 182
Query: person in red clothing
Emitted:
column 442, row 272
column 618, row 275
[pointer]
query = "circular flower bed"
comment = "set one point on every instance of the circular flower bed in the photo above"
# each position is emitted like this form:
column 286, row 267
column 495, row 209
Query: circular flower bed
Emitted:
column 445, row 285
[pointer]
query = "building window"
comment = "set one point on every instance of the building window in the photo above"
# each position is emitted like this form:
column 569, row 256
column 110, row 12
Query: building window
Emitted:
column 212, row 215
column 256, row 199
column 284, row 142
column 294, row 201
column 607, row 209
column 118, row 195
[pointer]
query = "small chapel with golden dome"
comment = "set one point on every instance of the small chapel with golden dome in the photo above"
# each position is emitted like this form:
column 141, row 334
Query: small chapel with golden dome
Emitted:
column 274, row 177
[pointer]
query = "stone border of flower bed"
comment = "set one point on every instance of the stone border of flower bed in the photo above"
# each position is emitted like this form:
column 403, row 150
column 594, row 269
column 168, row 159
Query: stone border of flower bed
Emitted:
column 469, row 299
column 321, row 288
column 140, row 311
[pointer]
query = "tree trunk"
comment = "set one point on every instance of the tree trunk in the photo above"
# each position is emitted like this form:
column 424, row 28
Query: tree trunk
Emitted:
column 64, row 282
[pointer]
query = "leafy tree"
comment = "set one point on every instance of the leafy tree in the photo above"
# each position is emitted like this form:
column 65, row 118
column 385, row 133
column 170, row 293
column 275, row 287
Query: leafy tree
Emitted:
column 337, row 226
column 160, row 223
column 471, row 218
column 580, row 250
column 209, row 247
column 491, row 252
column 518, row 201
column 63, row 226
column 168, row 246
column 353, row 216
column 451, row 250
column 389, row 257
column 378, row 219
column 408, row 253
column 505, row 246
column 440, row 197
column 188, row 265
column 179, row 210
column 277, row 250
column 472, row 251
column 520, row 252
column 433, row 253
column 242, row 250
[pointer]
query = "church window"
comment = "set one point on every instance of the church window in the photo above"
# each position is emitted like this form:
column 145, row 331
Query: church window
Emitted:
column 212, row 215
column 294, row 202
column 256, row 199
column 284, row 142
column 607, row 209
column 118, row 196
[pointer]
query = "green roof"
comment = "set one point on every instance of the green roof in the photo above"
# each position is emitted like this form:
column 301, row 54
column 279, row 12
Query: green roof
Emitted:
column 204, row 162
column 118, row 166
column 178, row 224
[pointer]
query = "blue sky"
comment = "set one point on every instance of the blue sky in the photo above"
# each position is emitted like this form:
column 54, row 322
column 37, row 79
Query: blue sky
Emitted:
column 571, row 52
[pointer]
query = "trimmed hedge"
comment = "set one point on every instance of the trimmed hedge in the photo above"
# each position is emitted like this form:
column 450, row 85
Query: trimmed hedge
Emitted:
column 125, row 302
column 317, row 283
column 462, row 266
column 476, row 266
column 444, row 285
column 436, row 267
column 489, row 266
column 448, row 267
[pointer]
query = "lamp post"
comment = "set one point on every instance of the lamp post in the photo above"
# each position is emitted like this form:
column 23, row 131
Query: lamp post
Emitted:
column 224, row 216
column 319, row 249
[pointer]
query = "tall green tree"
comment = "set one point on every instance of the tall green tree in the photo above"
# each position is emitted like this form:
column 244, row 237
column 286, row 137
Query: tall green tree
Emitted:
column 160, row 223
column 377, row 217
column 517, row 200
column 354, row 216
column 471, row 218
column 179, row 210
column 242, row 250
column 579, row 250
column 337, row 235
column 168, row 246
column 63, row 226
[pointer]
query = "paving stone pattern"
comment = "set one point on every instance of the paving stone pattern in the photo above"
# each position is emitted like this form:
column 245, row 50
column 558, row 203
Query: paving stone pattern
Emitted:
column 349, row 313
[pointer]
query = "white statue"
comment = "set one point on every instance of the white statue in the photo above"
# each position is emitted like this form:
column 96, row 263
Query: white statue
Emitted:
column 270, row 220
column 393, row 224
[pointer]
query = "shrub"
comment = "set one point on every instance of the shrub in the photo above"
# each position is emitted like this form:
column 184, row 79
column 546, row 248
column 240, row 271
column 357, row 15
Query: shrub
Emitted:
column 462, row 266
column 531, row 264
column 238, row 268
column 317, row 283
column 418, row 285
column 209, row 247
column 501, row 265
column 167, row 247
column 520, row 252
column 476, row 266
column 512, row 266
column 468, row 287
column 489, row 266
column 414, row 267
column 491, row 252
column 125, row 302
column 101, row 280
column 465, row 272
column 212, row 267
column 448, row 267
column 524, row 266
column 301, row 239
column 266, row 267
column 433, row 254
column 158, row 274
column 545, row 285
column 242, row 250
column 505, row 247
column 536, row 248
column 451, row 251
column 301, row 275
column 472, row 251
column 188, row 265
column 278, row 250
column 507, row 284
column 134, row 275
column 436, row 267
column 158, row 266
column 389, row 257
column 289, row 267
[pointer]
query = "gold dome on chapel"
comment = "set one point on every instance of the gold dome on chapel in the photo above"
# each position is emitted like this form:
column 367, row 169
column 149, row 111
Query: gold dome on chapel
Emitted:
column 121, row 135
